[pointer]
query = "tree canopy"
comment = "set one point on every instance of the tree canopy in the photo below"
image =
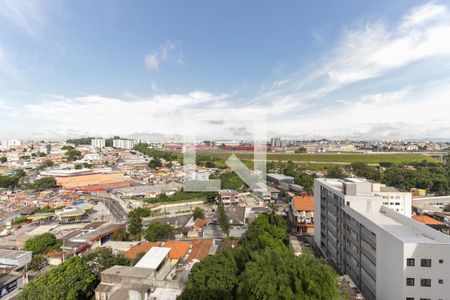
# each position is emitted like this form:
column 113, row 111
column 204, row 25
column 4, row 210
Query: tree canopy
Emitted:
column 158, row 231
column 42, row 243
column 261, row 267
column 72, row 280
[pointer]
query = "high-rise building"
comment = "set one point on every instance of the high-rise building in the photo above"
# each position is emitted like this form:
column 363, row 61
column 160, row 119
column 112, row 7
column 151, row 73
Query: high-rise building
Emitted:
column 98, row 143
column 10, row 143
column 275, row 142
column 387, row 254
column 123, row 144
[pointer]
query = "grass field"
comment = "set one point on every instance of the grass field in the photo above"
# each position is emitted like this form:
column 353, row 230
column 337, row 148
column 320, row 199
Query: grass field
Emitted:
column 327, row 159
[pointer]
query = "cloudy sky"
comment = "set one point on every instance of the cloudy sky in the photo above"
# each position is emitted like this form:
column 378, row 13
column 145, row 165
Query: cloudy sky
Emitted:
column 357, row 69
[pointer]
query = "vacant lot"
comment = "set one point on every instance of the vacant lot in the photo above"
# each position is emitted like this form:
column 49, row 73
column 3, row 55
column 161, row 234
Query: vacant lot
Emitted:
column 304, row 158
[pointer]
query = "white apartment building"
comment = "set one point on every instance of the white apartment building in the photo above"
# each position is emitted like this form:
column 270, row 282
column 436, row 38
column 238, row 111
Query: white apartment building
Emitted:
column 98, row 143
column 387, row 254
column 10, row 143
column 123, row 144
column 394, row 199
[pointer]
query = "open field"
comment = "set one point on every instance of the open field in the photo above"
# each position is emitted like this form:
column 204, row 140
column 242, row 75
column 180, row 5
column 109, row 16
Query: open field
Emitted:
column 310, row 159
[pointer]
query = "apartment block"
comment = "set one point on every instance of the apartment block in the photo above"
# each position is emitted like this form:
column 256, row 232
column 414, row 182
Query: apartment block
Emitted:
column 98, row 143
column 387, row 254
column 123, row 144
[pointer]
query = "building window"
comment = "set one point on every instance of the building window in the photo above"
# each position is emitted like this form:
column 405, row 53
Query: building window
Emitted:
column 425, row 299
column 425, row 282
column 410, row 262
column 441, row 261
column 425, row 262
column 441, row 281
column 409, row 298
column 410, row 281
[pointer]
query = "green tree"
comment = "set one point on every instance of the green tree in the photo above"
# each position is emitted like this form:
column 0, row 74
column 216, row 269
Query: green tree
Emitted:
column 37, row 262
column 120, row 235
column 9, row 182
column 157, row 231
column 48, row 163
column 72, row 280
column 42, row 243
column 73, row 155
column 301, row 150
column 214, row 278
column 198, row 213
column 224, row 222
column 134, row 223
column 155, row 163
column 447, row 208
column 44, row 184
column 335, row 172
column 278, row 274
column 103, row 258
column 306, row 181
column 3, row 159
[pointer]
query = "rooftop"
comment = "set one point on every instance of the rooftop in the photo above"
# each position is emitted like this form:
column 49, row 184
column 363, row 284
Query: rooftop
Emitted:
column 153, row 258
column 303, row 203
column 278, row 176
column 403, row 228
column 140, row 248
column 178, row 249
column 427, row 220
column 200, row 249
column 128, row 271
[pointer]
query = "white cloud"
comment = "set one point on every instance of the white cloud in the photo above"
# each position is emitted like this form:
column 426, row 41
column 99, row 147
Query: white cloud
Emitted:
column 27, row 15
column 101, row 115
column 6, row 66
column 163, row 54
column 422, row 14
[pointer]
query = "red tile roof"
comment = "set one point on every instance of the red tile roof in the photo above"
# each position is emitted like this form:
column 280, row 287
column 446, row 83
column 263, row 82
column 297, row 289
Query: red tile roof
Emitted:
column 200, row 249
column 133, row 252
column 427, row 220
column 303, row 203
column 179, row 249
column 200, row 223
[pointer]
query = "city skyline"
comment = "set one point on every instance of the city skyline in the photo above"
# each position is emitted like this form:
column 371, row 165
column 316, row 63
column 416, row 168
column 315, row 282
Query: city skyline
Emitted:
column 376, row 70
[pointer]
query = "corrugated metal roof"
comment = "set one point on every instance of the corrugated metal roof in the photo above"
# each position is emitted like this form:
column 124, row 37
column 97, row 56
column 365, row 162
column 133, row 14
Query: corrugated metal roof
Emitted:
column 153, row 258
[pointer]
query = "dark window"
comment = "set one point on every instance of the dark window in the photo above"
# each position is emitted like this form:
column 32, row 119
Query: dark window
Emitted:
column 409, row 298
column 441, row 261
column 425, row 262
column 425, row 282
column 410, row 262
column 425, row 299
column 410, row 281
column 441, row 281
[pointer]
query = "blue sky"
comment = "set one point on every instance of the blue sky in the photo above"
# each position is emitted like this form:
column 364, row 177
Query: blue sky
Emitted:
column 358, row 69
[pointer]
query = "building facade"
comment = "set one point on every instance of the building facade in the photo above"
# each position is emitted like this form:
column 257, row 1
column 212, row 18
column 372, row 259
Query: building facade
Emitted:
column 386, row 254
column 98, row 143
column 123, row 144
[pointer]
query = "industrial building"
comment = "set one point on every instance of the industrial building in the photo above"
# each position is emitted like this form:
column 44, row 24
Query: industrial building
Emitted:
column 387, row 254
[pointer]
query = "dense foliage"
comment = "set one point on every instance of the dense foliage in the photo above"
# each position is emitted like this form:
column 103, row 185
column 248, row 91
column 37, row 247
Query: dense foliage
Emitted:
column 134, row 223
column 71, row 280
column 434, row 177
column 158, row 231
column 9, row 182
column 261, row 267
column 198, row 213
column 75, row 279
column 154, row 153
column 42, row 243
column 43, row 184
column 184, row 196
